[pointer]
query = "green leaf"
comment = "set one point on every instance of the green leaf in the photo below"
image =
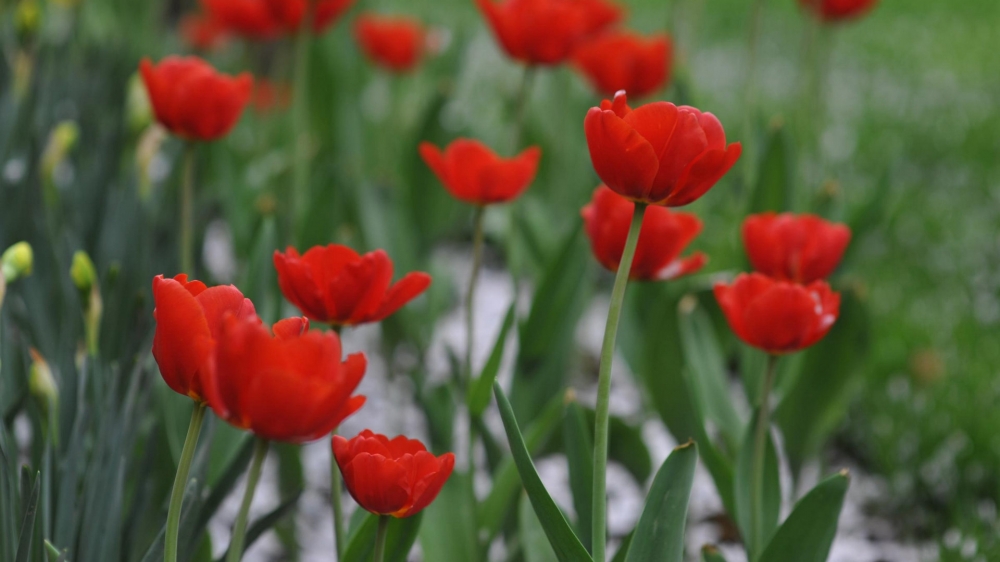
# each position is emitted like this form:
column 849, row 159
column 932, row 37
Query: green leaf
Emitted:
column 774, row 189
column 262, row 525
column 580, row 457
column 449, row 529
column 399, row 542
column 480, row 390
column 28, row 521
column 772, row 490
column 623, row 548
column 808, row 533
column 564, row 542
column 625, row 445
column 534, row 544
column 711, row 554
column 659, row 535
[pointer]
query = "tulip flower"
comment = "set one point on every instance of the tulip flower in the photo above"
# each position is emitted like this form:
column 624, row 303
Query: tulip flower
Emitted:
column 202, row 31
column 335, row 285
column 192, row 100
column 396, row 43
column 625, row 61
column 777, row 316
column 266, row 19
column 663, row 237
column 658, row 154
column 291, row 386
column 797, row 248
column 837, row 10
column 188, row 321
column 546, row 32
column 396, row 477
column 473, row 173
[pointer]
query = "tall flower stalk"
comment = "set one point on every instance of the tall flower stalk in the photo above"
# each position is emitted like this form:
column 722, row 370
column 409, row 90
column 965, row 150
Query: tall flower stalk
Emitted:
column 180, row 482
column 381, row 534
column 236, row 544
column 760, row 454
column 187, row 210
column 604, row 385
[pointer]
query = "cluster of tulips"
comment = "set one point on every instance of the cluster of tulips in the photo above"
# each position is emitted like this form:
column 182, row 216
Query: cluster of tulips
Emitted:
column 291, row 383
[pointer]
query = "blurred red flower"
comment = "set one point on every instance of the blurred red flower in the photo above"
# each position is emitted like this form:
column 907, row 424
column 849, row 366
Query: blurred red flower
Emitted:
column 395, row 477
column 202, row 31
column 473, row 173
column 270, row 96
column 192, row 100
column 659, row 153
column 838, row 10
column 264, row 19
column 625, row 61
column 188, row 320
column 335, row 285
column 292, row 386
column 663, row 237
column 546, row 31
column 798, row 248
column 777, row 316
column 394, row 42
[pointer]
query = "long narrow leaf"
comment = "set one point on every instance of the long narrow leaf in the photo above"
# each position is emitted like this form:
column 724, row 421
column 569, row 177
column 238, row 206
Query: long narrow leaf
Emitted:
column 28, row 522
column 580, row 457
column 265, row 523
column 808, row 533
column 479, row 392
column 534, row 544
column 564, row 541
column 659, row 535
column 772, row 491
column 402, row 534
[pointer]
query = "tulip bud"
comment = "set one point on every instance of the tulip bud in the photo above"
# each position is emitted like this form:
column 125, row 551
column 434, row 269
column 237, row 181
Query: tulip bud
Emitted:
column 84, row 276
column 62, row 141
column 27, row 20
column 16, row 261
column 82, row 272
column 24, row 68
column 41, row 383
column 138, row 111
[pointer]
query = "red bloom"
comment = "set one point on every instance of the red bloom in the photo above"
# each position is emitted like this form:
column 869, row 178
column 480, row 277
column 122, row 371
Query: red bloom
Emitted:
column 188, row 320
column 395, row 477
column 473, row 173
column 292, row 386
column 777, row 316
column 798, row 248
column 333, row 284
column 837, row 10
column 396, row 43
column 202, row 31
column 264, row 19
column 625, row 61
column 663, row 237
column 659, row 153
column 192, row 100
column 546, row 31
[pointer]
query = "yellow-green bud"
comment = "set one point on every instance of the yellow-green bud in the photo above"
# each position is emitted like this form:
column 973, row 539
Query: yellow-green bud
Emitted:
column 41, row 383
column 138, row 110
column 83, row 273
column 27, row 19
column 17, row 261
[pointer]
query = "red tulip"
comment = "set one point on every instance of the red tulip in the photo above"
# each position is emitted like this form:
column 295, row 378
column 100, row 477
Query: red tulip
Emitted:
column 202, row 31
column 188, row 321
column 395, row 477
column 798, row 248
column 659, row 153
column 333, row 284
column 777, row 316
column 837, row 10
column 663, row 237
column 396, row 43
column 265, row 19
column 625, row 61
column 473, row 173
column 192, row 100
column 546, row 31
column 291, row 387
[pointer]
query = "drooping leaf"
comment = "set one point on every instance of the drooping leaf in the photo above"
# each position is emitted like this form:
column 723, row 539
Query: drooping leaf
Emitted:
column 808, row 533
column 481, row 389
column 659, row 535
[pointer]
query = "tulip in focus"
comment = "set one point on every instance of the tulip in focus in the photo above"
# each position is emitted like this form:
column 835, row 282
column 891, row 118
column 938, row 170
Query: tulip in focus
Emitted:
column 393, row 42
column 396, row 477
column 473, row 173
column 290, row 385
column 545, row 32
column 192, row 100
column 659, row 153
column 334, row 285
column 663, row 237
column 188, row 322
column 777, row 316
column 625, row 61
column 798, row 248
column 838, row 10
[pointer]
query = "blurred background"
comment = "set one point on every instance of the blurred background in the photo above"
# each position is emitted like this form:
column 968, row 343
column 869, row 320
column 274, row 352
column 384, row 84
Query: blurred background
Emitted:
column 888, row 123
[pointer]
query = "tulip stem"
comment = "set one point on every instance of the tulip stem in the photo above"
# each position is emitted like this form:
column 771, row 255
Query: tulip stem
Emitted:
column 236, row 544
column 187, row 211
column 381, row 534
column 523, row 94
column 300, row 125
column 335, row 501
column 750, row 101
column 477, row 262
column 604, row 385
column 180, row 483
column 759, row 456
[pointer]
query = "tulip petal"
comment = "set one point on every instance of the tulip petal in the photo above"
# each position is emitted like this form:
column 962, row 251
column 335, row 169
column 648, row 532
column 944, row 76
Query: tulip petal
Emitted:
column 374, row 482
column 402, row 292
column 621, row 157
column 703, row 174
column 182, row 344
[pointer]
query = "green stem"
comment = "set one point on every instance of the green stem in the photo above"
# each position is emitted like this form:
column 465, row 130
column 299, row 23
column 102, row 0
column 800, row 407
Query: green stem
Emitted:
column 523, row 95
column 750, row 100
column 187, row 211
column 180, row 483
column 236, row 544
column 300, row 125
column 380, row 538
column 470, row 293
column 338, row 510
column 759, row 457
column 604, row 385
